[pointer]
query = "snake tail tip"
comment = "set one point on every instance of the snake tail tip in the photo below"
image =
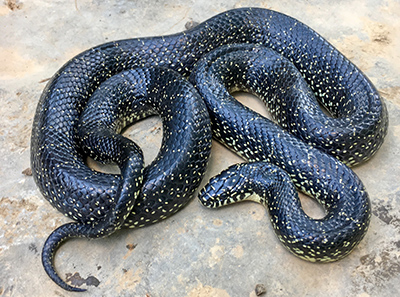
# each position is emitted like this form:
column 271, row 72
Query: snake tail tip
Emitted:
column 50, row 247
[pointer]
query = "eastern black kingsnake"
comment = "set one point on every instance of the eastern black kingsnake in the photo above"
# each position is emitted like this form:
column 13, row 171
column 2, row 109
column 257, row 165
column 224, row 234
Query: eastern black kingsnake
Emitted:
column 102, row 203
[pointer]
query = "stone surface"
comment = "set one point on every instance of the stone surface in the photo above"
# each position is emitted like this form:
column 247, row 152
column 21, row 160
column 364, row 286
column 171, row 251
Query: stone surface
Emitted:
column 197, row 252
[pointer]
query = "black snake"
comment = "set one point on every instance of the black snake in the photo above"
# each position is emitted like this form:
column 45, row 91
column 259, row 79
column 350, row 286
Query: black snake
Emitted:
column 80, row 113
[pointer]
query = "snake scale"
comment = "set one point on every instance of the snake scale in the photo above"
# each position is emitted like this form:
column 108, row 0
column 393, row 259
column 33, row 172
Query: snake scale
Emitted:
column 186, row 79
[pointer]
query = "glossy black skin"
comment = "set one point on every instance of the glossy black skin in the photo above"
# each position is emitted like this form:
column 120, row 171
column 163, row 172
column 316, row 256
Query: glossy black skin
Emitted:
column 256, row 138
column 80, row 193
column 358, row 118
column 169, row 181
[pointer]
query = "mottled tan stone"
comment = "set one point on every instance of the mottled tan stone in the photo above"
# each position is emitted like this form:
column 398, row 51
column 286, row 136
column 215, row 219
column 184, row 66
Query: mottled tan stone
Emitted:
column 197, row 252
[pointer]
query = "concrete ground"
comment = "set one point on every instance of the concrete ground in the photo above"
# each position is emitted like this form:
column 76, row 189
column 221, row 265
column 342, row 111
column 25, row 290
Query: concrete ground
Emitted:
column 197, row 252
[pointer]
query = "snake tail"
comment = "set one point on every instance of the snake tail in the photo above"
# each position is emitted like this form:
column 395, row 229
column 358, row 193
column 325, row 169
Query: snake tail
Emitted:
column 56, row 238
column 102, row 228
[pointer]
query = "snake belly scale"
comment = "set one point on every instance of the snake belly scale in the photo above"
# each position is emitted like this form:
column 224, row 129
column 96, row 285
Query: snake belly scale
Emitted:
column 73, row 121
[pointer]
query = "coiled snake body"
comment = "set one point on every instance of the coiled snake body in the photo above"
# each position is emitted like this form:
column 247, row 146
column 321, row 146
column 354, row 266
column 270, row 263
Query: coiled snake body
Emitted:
column 75, row 117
